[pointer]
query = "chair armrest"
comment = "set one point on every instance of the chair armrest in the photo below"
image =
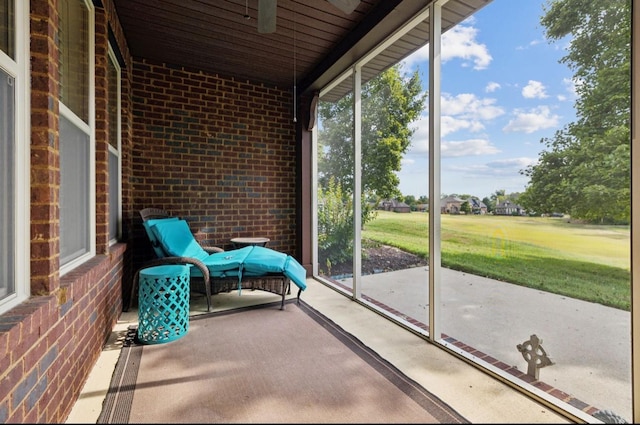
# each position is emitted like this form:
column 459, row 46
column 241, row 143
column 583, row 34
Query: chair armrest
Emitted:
column 212, row 249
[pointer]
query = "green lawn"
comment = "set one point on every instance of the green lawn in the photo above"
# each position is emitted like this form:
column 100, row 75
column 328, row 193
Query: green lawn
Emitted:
column 587, row 262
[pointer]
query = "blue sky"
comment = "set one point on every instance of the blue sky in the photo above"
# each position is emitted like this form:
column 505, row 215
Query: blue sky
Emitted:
column 503, row 90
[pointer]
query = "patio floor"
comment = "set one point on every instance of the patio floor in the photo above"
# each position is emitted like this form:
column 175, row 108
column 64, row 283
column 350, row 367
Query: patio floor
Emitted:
column 477, row 396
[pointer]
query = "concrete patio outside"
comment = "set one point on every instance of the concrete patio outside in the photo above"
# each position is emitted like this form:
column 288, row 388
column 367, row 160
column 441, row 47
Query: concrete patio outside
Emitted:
column 590, row 344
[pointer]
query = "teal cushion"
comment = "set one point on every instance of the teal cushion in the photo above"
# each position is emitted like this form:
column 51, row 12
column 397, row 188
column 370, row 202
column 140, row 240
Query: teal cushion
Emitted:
column 263, row 260
column 294, row 271
column 227, row 260
column 152, row 237
column 177, row 240
column 235, row 273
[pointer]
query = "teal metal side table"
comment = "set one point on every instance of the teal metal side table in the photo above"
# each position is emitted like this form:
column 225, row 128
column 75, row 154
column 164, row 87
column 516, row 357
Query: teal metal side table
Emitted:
column 163, row 303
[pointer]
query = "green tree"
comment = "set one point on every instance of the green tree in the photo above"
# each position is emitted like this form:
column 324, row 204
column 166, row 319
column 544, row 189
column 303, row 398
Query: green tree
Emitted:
column 498, row 196
column 489, row 203
column 390, row 102
column 585, row 168
column 411, row 201
column 465, row 207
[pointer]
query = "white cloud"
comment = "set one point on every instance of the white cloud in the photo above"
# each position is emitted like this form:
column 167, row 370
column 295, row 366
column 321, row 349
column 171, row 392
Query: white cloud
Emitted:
column 532, row 120
column 509, row 164
column 571, row 86
column 491, row 87
column 531, row 43
column 462, row 112
column 450, row 124
column 420, row 139
column 471, row 147
column 469, row 106
column 457, row 43
column 460, row 43
column 534, row 90
column 498, row 169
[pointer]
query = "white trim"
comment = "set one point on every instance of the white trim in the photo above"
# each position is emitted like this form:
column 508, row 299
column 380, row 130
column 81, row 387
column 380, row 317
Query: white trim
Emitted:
column 435, row 231
column 357, row 181
column 22, row 201
column 118, row 152
column 88, row 128
column 635, row 211
column 314, row 197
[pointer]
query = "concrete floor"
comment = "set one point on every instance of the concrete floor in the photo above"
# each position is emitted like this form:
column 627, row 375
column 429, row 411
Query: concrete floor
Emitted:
column 477, row 396
column 589, row 343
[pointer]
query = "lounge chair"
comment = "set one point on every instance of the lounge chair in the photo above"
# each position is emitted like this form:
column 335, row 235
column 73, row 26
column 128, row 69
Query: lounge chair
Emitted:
column 217, row 270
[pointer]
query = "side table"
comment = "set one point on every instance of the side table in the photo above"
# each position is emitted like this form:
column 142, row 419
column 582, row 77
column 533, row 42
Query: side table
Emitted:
column 242, row 242
column 163, row 303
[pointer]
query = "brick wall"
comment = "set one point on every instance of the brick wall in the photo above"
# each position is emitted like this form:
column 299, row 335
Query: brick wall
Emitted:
column 50, row 343
column 215, row 151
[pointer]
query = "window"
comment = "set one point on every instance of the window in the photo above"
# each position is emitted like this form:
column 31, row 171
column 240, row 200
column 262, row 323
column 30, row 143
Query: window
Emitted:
column 7, row 142
column 77, row 143
column 7, row 28
column 115, row 165
column 14, row 153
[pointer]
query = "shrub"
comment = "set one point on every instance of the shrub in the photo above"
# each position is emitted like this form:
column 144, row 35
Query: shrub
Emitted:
column 335, row 224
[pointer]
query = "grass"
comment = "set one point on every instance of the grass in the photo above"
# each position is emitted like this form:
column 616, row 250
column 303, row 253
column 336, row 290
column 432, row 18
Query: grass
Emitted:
column 587, row 262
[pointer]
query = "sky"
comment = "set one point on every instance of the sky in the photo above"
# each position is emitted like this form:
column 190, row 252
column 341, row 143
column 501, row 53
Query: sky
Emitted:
column 503, row 91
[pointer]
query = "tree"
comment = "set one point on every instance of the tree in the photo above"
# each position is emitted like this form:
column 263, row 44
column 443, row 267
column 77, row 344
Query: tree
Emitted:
column 465, row 207
column 585, row 168
column 498, row 196
column 411, row 201
column 390, row 103
column 489, row 203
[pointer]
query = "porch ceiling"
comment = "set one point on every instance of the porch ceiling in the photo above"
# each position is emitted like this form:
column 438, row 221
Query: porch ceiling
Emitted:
column 214, row 36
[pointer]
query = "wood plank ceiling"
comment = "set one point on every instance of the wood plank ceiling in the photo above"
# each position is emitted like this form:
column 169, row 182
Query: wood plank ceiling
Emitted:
column 314, row 40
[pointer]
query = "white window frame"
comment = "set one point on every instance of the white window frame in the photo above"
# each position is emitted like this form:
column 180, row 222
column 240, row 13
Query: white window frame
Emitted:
column 117, row 152
column 89, row 129
column 19, row 69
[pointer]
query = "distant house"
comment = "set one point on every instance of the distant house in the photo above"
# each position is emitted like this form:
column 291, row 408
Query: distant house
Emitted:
column 509, row 208
column 477, row 206
column 422, row 207
column 453, row 205
column 394, row 205
column 450, row 205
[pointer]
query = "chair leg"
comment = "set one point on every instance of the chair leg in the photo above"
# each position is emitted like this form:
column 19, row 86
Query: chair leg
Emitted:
column 286, row 289
column 207, row 289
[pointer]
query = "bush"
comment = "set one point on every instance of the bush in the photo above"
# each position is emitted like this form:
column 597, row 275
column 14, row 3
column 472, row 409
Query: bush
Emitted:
column 335, row 224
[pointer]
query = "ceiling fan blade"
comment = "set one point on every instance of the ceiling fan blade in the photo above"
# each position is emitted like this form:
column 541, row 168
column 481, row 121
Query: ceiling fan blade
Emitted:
column 347, row 6
column 267, row 15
